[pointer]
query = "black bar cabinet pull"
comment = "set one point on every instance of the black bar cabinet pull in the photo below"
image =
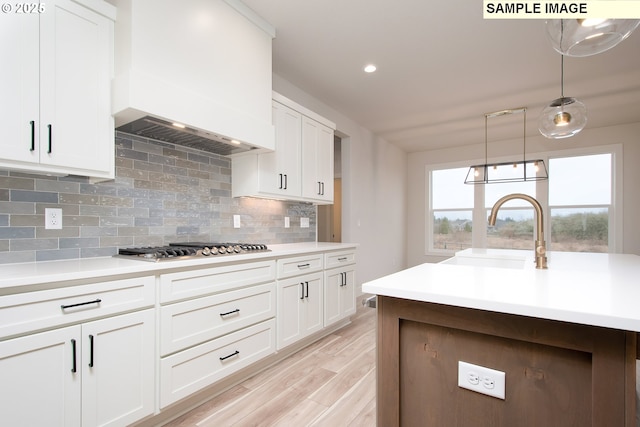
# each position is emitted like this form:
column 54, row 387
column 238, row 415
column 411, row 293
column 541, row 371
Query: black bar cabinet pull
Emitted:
column 322, row 189
column 285, row 181
column 306, row 295
column 304, row 265
column 301, row 290
column 344, row 258
column 319, row 188
column 64, row 307
column 73, row 355
column 33, row 135
column 280, row 175
column 235, row 353
column 237, row 310
column 49, row 128
column 91, row 351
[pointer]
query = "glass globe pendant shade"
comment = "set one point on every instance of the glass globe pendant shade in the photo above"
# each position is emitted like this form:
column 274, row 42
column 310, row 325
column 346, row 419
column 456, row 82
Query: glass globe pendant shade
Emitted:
column 562, row 118
column 585, row 37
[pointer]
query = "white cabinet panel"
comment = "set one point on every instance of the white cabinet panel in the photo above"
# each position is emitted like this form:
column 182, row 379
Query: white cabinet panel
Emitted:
column 189, row 284
column 118, row 376
column 192, row 322
column 186, row 372
column 300, row 307
column 60, row 84
column 39, row 387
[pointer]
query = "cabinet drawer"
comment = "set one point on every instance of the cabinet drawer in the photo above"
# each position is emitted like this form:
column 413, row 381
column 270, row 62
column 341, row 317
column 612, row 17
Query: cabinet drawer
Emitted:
column 288, row 267
column 31, row 311
column 336, row 259
column 188, row 323
column 189, row 284
column 186, row 372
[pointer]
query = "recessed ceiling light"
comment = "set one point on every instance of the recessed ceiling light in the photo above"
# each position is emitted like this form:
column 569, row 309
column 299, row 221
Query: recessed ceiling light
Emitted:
column 370, row 68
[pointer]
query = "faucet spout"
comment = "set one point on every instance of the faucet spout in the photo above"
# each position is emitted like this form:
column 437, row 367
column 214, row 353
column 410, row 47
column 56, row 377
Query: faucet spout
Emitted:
column 540, row 245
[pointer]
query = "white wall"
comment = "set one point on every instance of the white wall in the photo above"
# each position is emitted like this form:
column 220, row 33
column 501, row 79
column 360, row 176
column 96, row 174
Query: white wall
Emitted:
column 374, row 190
column 627, row 135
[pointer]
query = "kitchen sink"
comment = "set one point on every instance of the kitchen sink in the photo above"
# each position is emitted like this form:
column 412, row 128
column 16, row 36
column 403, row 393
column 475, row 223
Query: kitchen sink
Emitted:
column 492, row 258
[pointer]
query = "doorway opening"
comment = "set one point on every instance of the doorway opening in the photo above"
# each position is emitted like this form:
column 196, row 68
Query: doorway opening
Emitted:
column 330, row 216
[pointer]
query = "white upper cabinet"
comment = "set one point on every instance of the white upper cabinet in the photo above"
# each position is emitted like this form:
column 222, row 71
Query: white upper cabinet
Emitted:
column 56, row 115
column 203, row 63
column 300, row 168
column 317, row 161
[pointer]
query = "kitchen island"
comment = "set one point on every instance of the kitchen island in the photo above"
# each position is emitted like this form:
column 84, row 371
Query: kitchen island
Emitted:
column 565, row 338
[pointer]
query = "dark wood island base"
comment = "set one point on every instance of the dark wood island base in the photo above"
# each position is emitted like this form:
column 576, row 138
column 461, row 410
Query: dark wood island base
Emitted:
column 557, row 373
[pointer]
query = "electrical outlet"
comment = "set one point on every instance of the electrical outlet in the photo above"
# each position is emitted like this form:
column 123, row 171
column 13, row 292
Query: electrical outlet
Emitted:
column 287, row 222
column 482, row 380
column 236, row 221
column 304, row 222
column 53, row 218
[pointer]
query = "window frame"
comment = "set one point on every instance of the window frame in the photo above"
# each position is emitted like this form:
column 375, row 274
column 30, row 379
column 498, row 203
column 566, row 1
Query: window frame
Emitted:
column 479, row 233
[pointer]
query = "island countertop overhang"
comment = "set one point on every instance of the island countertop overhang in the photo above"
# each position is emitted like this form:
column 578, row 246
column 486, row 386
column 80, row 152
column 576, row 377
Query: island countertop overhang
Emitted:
column 584, row 288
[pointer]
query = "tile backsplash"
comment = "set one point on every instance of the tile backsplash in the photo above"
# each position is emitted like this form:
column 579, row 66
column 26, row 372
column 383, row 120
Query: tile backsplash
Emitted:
column 162, row 193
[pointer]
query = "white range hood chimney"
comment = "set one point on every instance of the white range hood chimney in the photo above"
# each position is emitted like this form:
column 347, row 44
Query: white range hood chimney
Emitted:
column 203, row 64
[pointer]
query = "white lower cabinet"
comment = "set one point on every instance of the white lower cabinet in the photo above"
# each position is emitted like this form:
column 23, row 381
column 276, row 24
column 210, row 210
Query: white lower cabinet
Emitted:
column 339, row 286
column 95, row 374
column 226, row 324
column 39, row 387
column 190, row 370
column 300, row 302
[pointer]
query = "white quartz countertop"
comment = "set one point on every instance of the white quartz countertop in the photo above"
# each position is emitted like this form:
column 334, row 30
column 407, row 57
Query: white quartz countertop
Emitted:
column 14, row 276
column 585, row 288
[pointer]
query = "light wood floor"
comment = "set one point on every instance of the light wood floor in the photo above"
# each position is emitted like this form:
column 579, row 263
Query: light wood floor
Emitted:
column 330, row 383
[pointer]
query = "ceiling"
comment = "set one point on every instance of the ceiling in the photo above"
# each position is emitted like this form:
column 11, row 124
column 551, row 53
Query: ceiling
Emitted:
column 441, row 67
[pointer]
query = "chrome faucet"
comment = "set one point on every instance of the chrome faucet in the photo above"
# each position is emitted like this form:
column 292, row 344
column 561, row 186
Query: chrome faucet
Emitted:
column 540, row 245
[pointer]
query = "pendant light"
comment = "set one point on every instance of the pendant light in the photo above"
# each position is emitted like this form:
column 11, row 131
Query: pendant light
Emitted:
column 563, row 117
column 512, row 171
column 585, row 37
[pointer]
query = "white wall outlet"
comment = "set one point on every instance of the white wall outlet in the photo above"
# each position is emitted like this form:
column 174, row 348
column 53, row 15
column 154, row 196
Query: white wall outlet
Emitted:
column 304, row 222
column 482, row 380
column 287, row 222
column 53, row 218
column 236, row 221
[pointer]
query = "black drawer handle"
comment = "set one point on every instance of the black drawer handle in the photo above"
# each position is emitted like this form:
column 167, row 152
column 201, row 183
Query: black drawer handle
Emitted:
column 301, row 290
column 307, row 265
column 64, row 307
column 235, row 353
column 33, row 135
column 306, row 295
column 344, row 258
column 91, row 351
column 73, row 355
column 50, row 140
column 228, row 313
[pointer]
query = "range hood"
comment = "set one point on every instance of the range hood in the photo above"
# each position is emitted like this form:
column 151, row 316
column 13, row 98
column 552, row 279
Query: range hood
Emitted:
column 174, row 133
column 205, row 64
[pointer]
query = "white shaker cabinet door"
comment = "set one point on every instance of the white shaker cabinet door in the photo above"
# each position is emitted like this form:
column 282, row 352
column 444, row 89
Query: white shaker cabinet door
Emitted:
column 40, row 377
column 118, row 369
column 76, row 48
column 19, row 87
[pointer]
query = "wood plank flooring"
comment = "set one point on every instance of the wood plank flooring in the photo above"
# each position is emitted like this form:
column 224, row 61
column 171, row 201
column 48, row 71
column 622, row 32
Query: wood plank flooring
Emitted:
column 332, row 382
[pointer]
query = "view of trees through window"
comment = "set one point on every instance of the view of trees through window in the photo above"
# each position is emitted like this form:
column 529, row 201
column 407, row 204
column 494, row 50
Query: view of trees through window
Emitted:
column 579, row 205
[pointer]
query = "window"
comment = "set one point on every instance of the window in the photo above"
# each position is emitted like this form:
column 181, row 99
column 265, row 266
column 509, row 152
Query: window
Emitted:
column 452, row 210
column 578, row 203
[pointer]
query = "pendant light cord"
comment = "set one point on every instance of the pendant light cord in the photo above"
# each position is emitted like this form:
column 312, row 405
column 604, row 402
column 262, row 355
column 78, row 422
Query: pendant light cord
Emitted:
column 561, row 76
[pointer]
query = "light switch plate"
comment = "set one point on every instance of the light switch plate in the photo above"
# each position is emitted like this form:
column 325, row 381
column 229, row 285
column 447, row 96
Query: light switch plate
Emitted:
column 236, row 221
column 287, row 222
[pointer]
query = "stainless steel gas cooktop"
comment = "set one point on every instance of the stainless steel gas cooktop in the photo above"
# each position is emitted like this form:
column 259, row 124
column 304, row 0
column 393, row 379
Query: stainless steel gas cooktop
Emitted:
column 189, row 250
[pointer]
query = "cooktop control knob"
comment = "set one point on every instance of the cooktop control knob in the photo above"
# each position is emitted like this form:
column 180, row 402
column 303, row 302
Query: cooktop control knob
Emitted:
column 206, row 251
